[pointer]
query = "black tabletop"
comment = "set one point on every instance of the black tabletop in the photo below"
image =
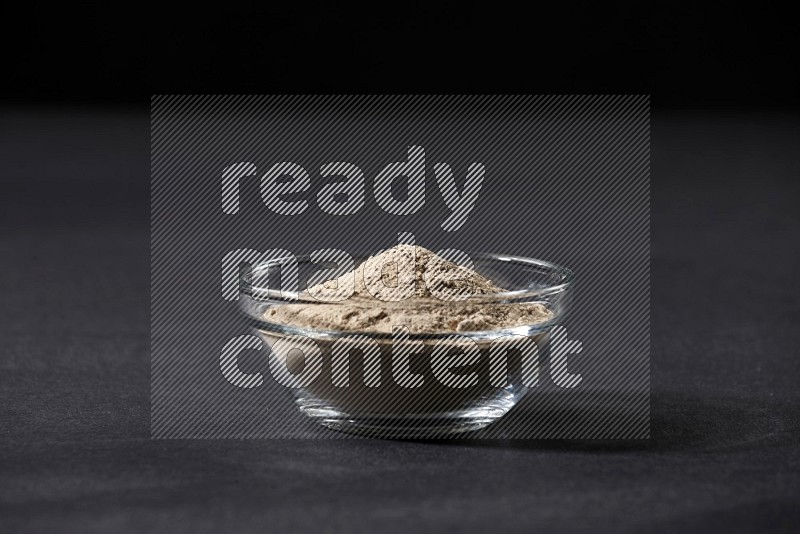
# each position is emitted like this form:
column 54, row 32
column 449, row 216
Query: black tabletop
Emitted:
column 76, row 453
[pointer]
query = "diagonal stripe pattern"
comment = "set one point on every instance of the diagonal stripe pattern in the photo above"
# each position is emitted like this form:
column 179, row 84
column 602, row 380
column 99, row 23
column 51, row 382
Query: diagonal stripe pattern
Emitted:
column 561, row 178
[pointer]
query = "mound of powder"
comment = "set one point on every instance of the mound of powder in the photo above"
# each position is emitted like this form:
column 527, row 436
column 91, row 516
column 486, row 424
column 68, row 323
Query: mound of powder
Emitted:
column 408, row 286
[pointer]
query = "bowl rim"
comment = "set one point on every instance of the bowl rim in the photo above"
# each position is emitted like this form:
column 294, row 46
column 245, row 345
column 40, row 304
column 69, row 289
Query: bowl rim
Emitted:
column 252, row 297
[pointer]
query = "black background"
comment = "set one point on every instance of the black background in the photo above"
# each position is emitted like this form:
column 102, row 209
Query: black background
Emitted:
column 684, row 54
column 75, row 453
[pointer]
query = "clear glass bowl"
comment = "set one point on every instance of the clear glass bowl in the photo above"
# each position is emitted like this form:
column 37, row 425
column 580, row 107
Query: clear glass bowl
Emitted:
column 373, row 402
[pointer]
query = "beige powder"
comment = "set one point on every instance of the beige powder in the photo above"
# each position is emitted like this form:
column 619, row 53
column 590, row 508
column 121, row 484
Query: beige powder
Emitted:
column 400, row 287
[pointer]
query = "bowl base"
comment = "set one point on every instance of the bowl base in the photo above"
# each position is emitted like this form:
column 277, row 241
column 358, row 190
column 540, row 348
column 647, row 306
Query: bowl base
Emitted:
column 476, row 416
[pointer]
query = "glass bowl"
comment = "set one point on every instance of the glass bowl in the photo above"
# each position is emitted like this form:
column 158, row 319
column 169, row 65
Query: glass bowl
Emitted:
column 407, row 383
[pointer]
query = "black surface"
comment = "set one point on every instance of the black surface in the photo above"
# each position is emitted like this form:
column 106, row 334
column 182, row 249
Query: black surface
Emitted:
column 75, row 453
